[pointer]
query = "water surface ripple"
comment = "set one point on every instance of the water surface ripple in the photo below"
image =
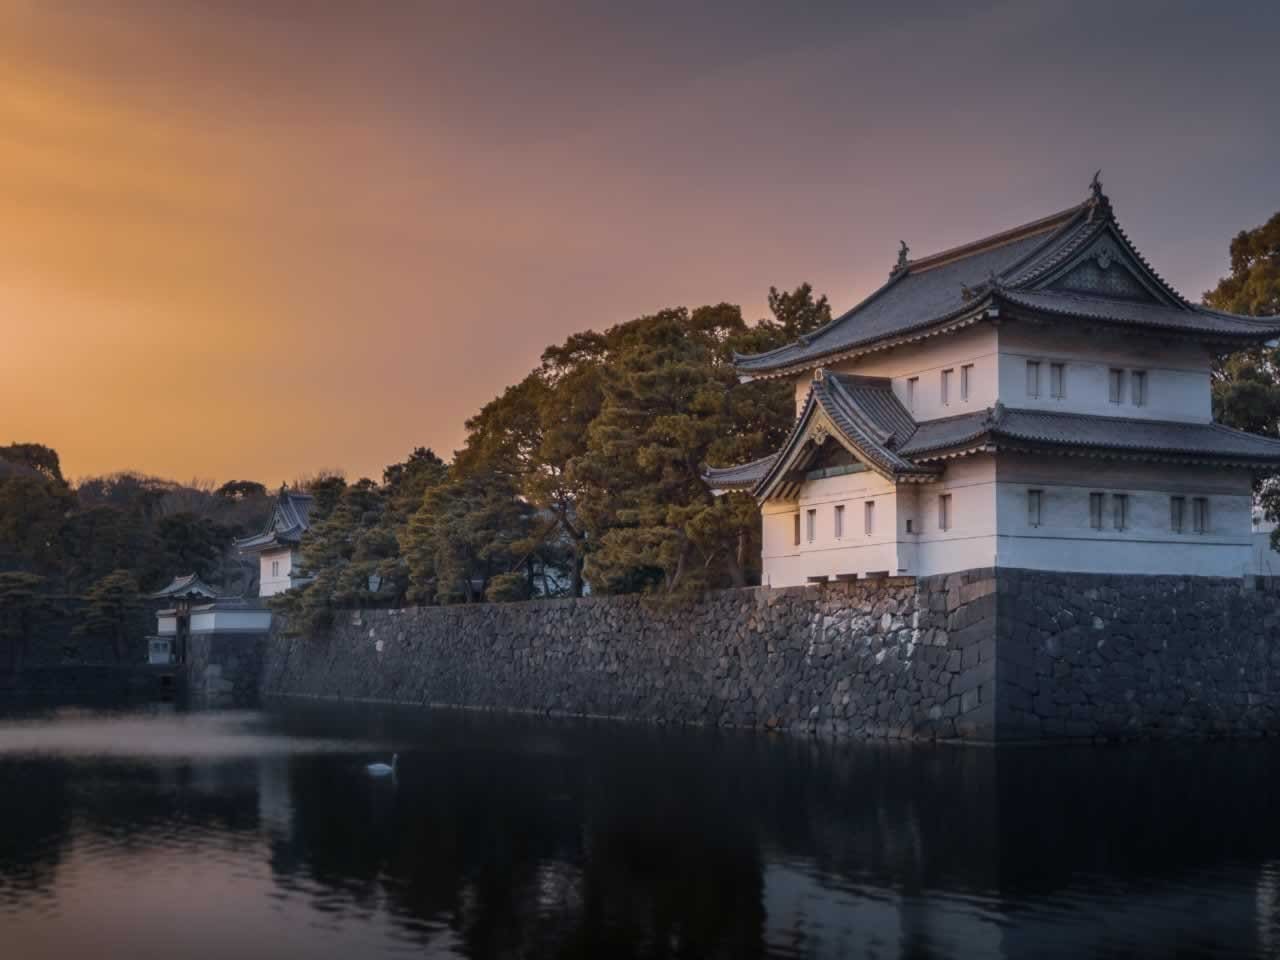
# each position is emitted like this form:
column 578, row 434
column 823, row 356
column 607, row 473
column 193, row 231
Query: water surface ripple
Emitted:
column 246, row 835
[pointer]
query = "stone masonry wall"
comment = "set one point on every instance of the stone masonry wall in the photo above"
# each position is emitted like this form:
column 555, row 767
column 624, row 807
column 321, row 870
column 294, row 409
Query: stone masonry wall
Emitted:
column 893, row 658
column 225, row 669
column 981, row 655
column 1084, row 655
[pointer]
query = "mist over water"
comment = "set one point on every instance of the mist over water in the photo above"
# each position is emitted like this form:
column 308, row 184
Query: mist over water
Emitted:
column 252, row 835
column 159, row 732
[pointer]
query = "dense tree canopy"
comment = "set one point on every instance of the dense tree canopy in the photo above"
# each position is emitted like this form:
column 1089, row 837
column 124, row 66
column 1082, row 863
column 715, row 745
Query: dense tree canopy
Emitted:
column 1246, row 385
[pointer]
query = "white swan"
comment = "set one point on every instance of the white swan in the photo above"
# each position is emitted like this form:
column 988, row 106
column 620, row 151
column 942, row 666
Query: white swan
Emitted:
column 381, row 769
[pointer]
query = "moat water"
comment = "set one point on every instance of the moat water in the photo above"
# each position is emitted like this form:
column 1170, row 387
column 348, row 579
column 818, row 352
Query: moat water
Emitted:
column 234, row 836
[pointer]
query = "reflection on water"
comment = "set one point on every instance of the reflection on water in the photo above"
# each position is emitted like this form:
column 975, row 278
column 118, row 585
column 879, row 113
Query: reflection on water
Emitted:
column 258, row 835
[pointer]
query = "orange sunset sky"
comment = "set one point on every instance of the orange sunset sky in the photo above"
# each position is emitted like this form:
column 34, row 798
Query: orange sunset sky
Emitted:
column 247, row 240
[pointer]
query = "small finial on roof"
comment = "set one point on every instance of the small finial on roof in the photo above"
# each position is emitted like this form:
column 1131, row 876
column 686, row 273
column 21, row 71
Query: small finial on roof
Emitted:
column 903, row 250
column 1098, row 202
column 993, row 282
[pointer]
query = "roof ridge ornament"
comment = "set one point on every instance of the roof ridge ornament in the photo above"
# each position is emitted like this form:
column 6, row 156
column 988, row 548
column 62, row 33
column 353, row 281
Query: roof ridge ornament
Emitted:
column 994, row 415
column 1098, row 202
column 903, row 251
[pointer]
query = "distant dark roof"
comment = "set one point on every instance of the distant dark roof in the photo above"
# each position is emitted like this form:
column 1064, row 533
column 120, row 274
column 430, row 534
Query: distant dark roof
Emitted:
column 185, row 588
column 741, row 477
column 1209, row 441
column 1060, row 266
column 290, row 519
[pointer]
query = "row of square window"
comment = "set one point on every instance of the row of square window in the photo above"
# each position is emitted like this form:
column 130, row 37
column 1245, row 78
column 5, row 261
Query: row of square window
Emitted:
column 1116, row 377
column 1137, row 380
column 948, row 376
column 1120, row 511
column 868, row 519
column 1035, row 512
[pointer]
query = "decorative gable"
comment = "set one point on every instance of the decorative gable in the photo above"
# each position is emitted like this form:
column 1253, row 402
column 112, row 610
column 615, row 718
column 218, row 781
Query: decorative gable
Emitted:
column 1106, row 269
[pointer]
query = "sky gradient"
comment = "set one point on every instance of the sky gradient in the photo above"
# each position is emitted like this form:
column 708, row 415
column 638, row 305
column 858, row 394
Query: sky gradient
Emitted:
column 244, row 240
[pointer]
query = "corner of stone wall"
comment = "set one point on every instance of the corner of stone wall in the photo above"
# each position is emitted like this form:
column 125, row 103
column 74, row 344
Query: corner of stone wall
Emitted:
column 957, row 615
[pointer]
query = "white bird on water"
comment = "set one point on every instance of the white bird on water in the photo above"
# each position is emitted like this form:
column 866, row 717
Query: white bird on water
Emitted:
column 382, row 769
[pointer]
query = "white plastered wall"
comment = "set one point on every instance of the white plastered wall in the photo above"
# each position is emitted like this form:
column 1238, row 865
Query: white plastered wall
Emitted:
column 275, row 572
column 926, row 359
column 1066, row 540
column 230, row 621
column 927, row 549
column 1177, row 373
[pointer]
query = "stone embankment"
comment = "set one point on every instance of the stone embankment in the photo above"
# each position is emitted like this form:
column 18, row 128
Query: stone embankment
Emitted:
column 981, row 655
column 893, row 658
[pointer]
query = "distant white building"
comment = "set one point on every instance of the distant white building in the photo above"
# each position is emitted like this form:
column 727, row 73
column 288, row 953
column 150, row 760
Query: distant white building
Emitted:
column 197, row 608
column 1039, row 398
column 277, row 546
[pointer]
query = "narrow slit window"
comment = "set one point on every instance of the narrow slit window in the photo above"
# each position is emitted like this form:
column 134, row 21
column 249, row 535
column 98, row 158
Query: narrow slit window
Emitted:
column 946, row 386
column 1138, row 385
column 1033, row 378
column 1034, row 503
column 869, row 517
column 796, row 518
column 839, row 521
column 811, row 525
column 1095, row 511
column 944, row 511
column 912, row 384
column 1057, row 380
column 1177, row 513
column 1117, row 386
column 275, row 568
column 966, row 380
column 1200, row 514
column 1120, row 510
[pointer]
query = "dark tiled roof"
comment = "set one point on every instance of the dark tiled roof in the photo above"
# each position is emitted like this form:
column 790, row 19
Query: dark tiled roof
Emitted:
column 966, row 281
column 1154, row 315
column 871, row 420
column 744, row 476
column 189, row 586
column 290, row 519
column 1211, row 441
column 871, row 423
column 911, row 300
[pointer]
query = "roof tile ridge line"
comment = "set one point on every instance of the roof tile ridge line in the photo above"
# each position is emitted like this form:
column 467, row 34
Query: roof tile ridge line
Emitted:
column 1236, row 431
column 966, row 313
column 808, row 338
column 1012, row 293
column 969, row 414
column 885, row 385
column 996, row 240
column 1266, row 319
column 1025, row 263
column 860, row 379
column 1133, row 249
column 1142, row 420
column 809, row 401
column 741, row 466
column 868, row 420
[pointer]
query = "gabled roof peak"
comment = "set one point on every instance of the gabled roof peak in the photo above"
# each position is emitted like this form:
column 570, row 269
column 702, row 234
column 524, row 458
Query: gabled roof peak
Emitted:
column 1032, row 228
column 1040, row 267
